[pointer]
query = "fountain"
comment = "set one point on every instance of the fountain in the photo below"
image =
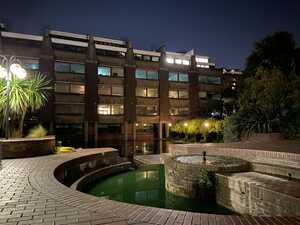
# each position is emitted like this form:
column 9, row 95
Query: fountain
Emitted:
column 193, row 176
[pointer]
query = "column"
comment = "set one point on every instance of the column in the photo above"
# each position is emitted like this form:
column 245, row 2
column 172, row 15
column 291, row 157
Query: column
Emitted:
column 193, row 90
column 163, row 87
column 91, row 94
column 46, row 67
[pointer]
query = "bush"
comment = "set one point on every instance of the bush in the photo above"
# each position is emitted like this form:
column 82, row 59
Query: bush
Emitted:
column 231, row 129
column 37, row 132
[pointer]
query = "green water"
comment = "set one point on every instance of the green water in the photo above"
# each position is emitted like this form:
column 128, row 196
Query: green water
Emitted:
column 146, row 186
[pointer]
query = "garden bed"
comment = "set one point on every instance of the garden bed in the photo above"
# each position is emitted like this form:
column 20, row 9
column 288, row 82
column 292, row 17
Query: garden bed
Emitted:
column 27, row 147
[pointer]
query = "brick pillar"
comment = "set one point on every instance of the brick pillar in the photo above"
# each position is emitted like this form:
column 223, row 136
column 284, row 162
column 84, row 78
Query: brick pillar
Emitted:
column 46, row 67
column 91, row 95
column 193, row 90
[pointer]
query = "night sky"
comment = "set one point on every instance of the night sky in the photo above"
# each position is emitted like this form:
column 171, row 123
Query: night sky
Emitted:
column 224, row 30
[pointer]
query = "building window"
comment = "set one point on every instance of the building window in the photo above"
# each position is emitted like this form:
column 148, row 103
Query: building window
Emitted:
column 104, row 71
column 77, row 89
column 179, row 111
column 30, row 64
column 181, row 94
column 105, row 89
column 144, row 110
column 170, row 60
column 69, row 88
column 146, row 92
column 181, row 77
column 114, row 109
column 117, row 72
column 201, row 60
column 147, row 58
column 64, row 67
column 202, row 94
column 214, row 95
column 209, row 79
column 143, row 74
column 155, row 59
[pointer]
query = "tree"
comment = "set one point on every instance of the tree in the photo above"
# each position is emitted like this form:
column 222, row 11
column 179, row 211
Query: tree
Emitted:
column 277, row 50
column 26, row 96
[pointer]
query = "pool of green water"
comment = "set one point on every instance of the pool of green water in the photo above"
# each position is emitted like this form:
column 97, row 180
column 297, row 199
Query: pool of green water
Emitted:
column 146, row 186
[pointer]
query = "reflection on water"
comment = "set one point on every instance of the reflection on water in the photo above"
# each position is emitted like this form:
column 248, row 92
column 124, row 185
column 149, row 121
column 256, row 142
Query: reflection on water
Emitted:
column 146, row 186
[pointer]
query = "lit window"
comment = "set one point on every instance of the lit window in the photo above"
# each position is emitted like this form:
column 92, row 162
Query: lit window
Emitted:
column 77, row 89
column 202, row 94
column 203, row 66
column 31, row 64
column 201, row 60
column 152, row 75
column 103, row 109
column 185, row 62
column 151, row 110
column 173, row 94
column 77, row 68
column 183, row 94
column 104, row 71
column 173, row 76
column 152, row 92
column 170, row 60
column 178, row 61
column 182, row 111
column 155, row 59
column 117, row 109
column 141, row 92
column 140, row 74
column 183, row 77
column 117, row 90
column 138, row 56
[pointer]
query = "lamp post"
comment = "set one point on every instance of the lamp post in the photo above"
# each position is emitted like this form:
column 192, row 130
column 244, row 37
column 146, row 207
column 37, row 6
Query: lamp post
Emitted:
column 9, row 66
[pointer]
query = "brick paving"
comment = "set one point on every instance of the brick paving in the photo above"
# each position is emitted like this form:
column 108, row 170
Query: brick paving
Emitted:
column 30, row 194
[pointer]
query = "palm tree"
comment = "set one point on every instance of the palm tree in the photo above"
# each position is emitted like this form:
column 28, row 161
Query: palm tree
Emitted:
column 25, row 96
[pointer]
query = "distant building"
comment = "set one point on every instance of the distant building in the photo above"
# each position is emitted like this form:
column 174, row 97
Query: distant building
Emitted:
column 105, row 90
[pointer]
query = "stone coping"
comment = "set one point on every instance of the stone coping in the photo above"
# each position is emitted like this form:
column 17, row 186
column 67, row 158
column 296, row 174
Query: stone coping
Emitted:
column 50, row 137
column 30, row 194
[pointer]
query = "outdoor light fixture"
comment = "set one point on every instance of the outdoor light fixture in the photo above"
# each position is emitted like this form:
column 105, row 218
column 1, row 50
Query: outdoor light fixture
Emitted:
column 206, row 124
column 185, row 124
column 169, row 124
column 10, row 66
column 136, row 124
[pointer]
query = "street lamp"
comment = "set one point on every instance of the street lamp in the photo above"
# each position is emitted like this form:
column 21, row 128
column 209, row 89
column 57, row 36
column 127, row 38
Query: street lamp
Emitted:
column 10, row 66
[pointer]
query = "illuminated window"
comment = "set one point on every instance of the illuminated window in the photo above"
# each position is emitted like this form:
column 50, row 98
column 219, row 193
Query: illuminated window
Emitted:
column 173, row 94
column 69, row 67
column 183, row 77
column 103, row 109
column 155, row 59
column 179, row 111
column 173, row 76
column 144, row 110
column 143, row 74
column 178, row 61
column 183, row 94
column 140, row 74
column 117, row 90
column 201, row 60
column 116, row 109
column 30, row 64
column 147, row 58
column 77, row 68
column 62, row 67
column 104, row 71
column 185, row 62
column 170, row 60
column 146, row 92
column 77, row 89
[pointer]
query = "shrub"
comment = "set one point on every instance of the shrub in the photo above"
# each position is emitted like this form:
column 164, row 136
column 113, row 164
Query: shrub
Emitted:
column 37, row 132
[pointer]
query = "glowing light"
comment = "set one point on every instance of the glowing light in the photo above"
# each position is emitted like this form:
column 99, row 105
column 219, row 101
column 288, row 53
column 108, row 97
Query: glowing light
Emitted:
column 185, row 124
column 145, row 124
column 169, row 124
column 185, row 62
column 202, row 60
column 170, row 60
column 206, row 124
column 136, row 124
column 3, row 72
column 18, row 70
column 178, row 61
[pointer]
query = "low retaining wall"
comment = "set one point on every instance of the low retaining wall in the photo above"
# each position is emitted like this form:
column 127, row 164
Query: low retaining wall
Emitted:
column 26, row 147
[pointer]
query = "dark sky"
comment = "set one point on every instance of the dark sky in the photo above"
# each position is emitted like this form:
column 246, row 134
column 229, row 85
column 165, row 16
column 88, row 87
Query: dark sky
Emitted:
column 224, row 30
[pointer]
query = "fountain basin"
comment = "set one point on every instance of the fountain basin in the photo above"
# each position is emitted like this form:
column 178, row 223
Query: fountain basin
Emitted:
column 191, row 176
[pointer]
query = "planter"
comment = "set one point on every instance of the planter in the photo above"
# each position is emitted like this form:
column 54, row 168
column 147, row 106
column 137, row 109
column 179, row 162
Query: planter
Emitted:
column 26, row 147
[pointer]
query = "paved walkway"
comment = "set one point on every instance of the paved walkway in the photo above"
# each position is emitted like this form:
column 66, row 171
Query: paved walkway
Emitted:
column 30, row 194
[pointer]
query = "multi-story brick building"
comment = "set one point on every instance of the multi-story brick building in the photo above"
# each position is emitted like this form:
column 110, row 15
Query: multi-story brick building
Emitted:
column 104, row 89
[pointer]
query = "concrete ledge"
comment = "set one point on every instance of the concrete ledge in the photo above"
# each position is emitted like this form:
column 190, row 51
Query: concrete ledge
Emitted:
column 27, row 147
